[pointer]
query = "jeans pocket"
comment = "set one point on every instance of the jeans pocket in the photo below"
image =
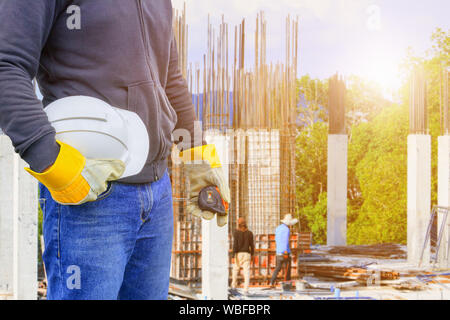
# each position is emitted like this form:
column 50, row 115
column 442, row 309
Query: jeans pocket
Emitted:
column 107, row 193
column 166, row 190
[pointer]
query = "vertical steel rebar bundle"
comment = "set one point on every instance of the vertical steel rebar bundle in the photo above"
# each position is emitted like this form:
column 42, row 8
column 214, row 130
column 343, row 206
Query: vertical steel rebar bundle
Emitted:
column 181, row 30
column 444, row 100
column 337, row 105
column 418, row 113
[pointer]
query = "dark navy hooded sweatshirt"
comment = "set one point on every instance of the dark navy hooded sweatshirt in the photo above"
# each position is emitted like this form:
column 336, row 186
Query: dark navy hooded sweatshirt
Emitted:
column 122, row 52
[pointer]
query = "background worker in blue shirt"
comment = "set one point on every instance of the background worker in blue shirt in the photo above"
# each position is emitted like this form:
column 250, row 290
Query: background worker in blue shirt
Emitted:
column 282, row 235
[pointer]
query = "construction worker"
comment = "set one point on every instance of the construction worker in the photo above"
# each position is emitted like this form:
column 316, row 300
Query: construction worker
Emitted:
column 105, row 237
column 283, row 250
column 243, row 252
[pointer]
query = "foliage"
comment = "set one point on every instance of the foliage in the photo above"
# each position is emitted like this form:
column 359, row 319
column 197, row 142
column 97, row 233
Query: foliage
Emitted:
column 364, row 100
column 316, row 218
column 381, row 174
column 314, row 103
column 311, row 169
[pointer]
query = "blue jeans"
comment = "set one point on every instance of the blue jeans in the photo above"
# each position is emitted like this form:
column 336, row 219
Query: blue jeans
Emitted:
column 118, row 247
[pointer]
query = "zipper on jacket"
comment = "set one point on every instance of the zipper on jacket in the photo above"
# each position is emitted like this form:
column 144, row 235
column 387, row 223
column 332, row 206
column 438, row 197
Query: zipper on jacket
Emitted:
column 152, row 75
column 145, row 40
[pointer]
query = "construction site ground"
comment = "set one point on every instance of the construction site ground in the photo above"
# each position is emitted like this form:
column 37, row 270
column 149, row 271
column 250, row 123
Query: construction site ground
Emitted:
column 379, row 272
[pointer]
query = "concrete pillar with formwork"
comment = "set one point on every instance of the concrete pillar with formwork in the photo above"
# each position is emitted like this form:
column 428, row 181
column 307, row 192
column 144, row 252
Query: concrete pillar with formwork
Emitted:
column 444, row 171
column 215, row 239
column 337, row 166
column 18, row 227
column 444, row 198
column 419, row 174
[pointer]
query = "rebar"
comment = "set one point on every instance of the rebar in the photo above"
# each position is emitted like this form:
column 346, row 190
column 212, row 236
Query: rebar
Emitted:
column 418, row 115
column 444, row 100
column 337, row 105
column 259, row 105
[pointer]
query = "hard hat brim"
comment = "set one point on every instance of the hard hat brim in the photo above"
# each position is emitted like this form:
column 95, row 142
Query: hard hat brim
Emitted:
column 138, row 143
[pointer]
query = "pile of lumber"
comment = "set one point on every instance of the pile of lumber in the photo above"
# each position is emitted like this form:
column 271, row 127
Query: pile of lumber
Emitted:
column 387, row 251
column 348, row 273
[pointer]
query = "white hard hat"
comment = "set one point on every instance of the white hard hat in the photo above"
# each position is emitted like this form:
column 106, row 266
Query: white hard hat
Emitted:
column 100, row 131
column 289, row 220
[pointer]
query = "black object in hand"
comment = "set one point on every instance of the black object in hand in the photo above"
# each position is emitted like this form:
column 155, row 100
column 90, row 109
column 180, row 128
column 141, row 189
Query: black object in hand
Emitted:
column 210, row 200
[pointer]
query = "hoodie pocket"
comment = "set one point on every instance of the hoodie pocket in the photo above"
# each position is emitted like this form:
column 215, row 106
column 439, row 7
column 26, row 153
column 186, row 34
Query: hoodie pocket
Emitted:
column 168, row 120
column 150, row 102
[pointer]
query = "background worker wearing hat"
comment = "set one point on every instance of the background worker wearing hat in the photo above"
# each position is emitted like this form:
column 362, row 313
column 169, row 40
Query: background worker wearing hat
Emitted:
column 104, row 239
column 282, row 235
column 243, row 251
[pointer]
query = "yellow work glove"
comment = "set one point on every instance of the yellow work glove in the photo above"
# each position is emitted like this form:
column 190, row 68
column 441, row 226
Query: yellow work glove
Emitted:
column 74, row 180
column 203, row 169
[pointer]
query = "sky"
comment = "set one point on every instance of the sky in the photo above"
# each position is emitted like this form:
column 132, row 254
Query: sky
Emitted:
column 368, row 38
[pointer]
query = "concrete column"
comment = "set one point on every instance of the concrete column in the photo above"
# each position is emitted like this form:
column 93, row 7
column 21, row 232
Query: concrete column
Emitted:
column 337, row 190
column 444, row 196
column 419, row 197
column 18, row 226
column 215, row 240
column 6, row 218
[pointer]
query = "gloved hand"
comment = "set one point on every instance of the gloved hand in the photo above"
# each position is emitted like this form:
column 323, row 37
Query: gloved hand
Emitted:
column 74, row 180
column 203, row 169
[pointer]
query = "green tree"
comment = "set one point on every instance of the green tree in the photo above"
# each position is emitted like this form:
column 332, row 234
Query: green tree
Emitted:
column 381, row 174
column 364, row 100
column 315, row 93
column 311, row 168
column 316, row 218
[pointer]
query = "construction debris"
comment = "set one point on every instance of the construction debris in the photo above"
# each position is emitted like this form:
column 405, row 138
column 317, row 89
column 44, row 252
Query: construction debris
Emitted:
column 315, row 283
column 180, row 291
column 409, row 286
column 42, row 290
